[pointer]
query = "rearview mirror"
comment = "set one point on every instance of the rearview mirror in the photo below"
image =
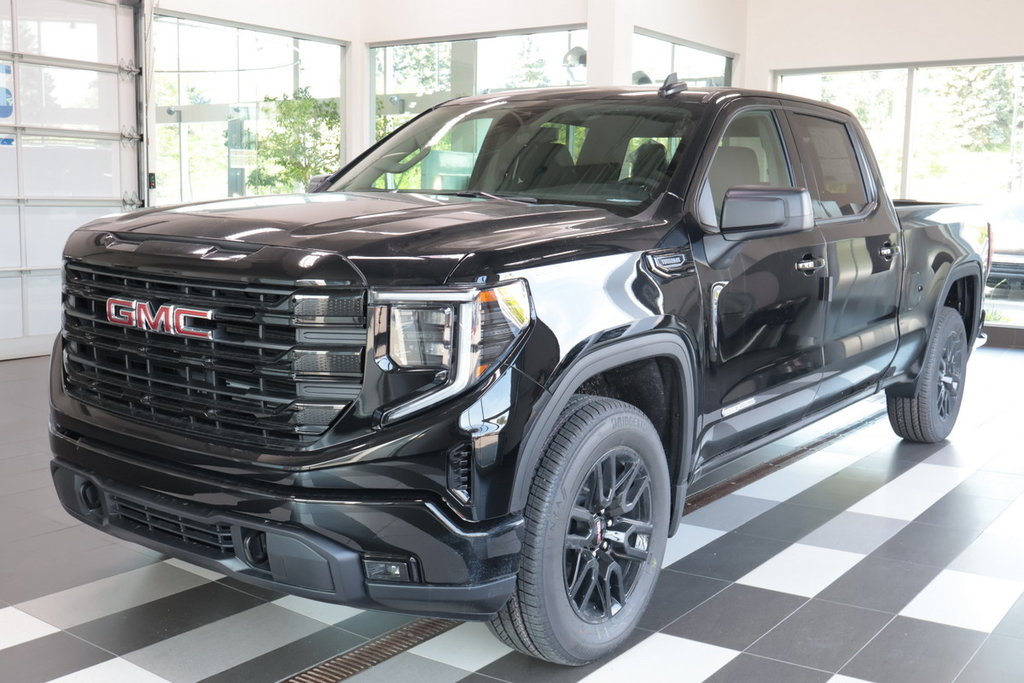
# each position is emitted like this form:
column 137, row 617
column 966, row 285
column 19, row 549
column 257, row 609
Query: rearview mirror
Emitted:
column 316, row 181
column 756, row 211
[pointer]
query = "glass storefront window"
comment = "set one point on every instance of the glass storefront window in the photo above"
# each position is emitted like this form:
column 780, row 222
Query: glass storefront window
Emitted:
column 655, row 58
column 252, row 113
column 409, row 79
column 964, row 143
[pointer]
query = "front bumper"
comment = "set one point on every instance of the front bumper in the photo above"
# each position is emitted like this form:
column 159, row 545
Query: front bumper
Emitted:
column 312, row 543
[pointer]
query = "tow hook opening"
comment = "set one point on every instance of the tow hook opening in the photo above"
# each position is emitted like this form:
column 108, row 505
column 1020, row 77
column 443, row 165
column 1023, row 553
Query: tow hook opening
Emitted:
column 254, row 546
column 90, row 496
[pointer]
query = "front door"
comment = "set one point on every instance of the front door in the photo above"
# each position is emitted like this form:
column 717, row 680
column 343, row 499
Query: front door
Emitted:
column 762, row 296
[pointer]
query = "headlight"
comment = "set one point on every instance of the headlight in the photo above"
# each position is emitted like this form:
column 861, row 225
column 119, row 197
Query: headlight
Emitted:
column 461, row 332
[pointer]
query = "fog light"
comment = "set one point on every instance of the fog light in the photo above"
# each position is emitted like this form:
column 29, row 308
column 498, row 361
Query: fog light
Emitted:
column 401, row 571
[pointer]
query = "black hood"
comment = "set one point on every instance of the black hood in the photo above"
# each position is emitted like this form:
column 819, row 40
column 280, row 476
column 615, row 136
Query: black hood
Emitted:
column 391, row 238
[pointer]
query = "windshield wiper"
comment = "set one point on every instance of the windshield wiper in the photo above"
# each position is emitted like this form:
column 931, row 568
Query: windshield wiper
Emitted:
column 479, row 194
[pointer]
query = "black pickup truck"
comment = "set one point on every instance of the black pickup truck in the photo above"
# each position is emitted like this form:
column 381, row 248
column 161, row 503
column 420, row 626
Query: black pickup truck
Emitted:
column 473, row 373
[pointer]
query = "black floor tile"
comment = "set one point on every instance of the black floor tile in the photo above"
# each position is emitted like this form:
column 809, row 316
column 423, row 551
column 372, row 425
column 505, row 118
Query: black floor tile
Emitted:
column 374, row 624
column 676, row 594
column 841, row 490
column 265, row 594
column 999, row 660
column 49, row 657
column 729, row 557
column 915, row 651
column 290, row 659
column 787, row 522
column 518, row 668
column 965, row 511
column 135, row 628
column 736, row 617
column 821, row 635
column 750, row 669
column 880, row 583
column 927, row 544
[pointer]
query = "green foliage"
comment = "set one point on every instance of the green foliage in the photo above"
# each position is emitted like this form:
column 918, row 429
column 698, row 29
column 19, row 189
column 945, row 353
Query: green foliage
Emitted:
column 304, row 140
column 529, row 71
column 981, row 105
column 428, row 66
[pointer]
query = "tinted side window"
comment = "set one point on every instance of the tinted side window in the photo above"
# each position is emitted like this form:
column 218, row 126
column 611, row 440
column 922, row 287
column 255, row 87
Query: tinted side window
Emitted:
column 837, row 184
column 749, row 153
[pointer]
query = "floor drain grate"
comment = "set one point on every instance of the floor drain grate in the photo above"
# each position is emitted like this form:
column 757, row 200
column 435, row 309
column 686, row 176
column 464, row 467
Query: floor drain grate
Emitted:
column 376, row 651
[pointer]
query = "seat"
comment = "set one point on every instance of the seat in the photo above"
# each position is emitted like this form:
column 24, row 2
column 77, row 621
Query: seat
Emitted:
column 650, row 163
column 733, row 166
column 543, row 162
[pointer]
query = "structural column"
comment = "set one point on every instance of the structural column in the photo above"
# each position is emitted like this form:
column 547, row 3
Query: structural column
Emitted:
column 609, row 42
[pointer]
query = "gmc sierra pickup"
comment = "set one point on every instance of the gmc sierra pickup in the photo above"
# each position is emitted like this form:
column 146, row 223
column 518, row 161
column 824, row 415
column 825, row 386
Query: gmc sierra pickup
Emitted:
column 473, row 372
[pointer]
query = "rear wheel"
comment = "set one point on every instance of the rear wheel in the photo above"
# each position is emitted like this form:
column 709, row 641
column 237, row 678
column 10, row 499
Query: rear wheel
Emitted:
column 930, row 414
column 596, row 527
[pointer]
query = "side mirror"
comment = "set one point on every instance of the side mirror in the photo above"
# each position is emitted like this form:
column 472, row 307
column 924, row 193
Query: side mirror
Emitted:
column 756, row 211
column 316, row 181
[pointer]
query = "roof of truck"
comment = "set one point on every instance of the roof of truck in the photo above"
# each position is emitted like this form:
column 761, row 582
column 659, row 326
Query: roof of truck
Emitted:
column 719, row 95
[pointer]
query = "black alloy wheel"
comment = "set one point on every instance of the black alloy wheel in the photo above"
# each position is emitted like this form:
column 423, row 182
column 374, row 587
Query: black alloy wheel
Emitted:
column 608, row 537
column 596, row 528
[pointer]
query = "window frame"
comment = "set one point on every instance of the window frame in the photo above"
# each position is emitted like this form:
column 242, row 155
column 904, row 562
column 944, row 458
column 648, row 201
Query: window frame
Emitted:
column 866, row 166
column 703, row 168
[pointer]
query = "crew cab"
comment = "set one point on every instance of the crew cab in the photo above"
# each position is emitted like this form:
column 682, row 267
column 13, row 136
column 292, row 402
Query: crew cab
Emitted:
column 472, row 373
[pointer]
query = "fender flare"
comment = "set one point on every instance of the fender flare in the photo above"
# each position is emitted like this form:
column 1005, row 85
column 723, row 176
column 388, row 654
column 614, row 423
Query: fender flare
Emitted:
column 659, row 344
column 965, row 269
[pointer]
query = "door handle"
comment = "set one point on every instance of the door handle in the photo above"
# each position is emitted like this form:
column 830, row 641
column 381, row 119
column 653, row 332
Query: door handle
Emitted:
column 887, row 251
column 809, row 265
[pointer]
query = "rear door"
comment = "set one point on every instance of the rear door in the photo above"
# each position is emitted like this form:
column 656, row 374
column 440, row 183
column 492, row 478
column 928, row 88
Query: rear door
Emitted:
column 764, row 315
column 863, row 261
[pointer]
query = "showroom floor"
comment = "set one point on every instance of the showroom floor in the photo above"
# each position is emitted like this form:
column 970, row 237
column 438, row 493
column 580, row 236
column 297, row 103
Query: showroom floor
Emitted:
column 880, row 560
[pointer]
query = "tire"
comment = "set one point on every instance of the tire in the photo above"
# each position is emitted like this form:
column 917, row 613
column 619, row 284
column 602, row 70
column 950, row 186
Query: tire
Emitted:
column 592, row 551
column 929, row 416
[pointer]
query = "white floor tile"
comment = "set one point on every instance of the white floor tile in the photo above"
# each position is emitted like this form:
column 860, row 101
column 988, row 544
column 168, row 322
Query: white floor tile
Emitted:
column 111, row 671
column 207, row 574
column 913, row 492
column 469, row 646
column 326, row 612
column 728, row 512
column 113, row 594
column 799, row 476
column 1010, row 524
column 965, row 600
column 665, row 658
column 802, row 570
column 16, row 627
column 688, row 539
column 992, row 555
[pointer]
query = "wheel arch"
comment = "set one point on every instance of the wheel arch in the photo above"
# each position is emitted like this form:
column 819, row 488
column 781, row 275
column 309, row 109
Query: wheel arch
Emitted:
column 666, row 353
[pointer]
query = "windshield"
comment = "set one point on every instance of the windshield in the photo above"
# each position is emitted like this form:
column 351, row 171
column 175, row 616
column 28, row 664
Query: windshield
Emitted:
column 616, row 153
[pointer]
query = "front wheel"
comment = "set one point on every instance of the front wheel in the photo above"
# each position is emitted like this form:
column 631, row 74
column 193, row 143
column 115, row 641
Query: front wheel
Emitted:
column 596, row 528
column 929, row 415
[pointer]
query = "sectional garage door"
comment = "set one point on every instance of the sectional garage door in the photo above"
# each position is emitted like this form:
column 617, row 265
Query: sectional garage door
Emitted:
column 68, row 147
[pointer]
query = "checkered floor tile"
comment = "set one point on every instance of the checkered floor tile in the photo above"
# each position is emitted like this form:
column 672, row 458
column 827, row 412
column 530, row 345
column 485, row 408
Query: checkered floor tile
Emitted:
column 867, row 560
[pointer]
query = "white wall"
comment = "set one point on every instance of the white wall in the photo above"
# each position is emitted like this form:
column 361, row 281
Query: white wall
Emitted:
column 335, row 19
column 414, row 20
column 719, row 24
column 800, row 34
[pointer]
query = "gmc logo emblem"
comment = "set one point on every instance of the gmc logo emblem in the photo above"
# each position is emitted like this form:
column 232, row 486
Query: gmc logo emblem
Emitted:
column 168, row 319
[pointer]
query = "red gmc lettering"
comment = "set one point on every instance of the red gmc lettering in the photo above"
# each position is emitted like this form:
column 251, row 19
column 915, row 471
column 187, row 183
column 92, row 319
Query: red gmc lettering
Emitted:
column 168, row 319
column 121, row 312
column 181, row 327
